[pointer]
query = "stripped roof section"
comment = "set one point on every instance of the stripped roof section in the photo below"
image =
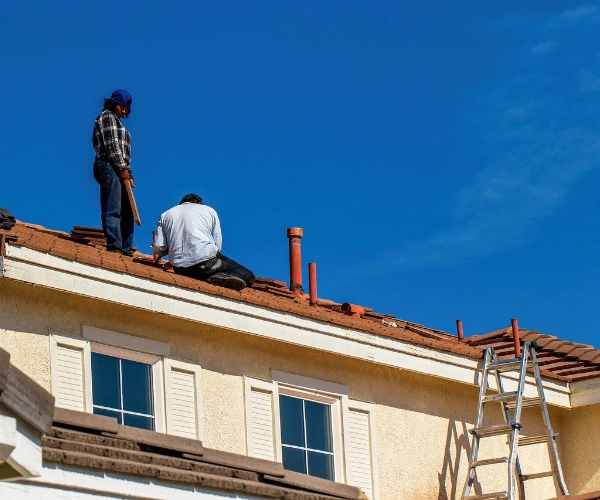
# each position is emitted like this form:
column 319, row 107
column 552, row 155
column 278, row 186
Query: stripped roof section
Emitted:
column 559, row 359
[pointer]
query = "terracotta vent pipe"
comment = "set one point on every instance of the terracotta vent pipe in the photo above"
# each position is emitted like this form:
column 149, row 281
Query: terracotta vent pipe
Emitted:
column 516, row 338
column 353, row 310
column 312, row 283
column 294, row 234
column 459, row 329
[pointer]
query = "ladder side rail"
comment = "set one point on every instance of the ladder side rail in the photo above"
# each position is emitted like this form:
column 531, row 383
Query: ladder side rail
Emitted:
column 483, row 385
column 514, row 436
column 507, row 419
column 552, row 449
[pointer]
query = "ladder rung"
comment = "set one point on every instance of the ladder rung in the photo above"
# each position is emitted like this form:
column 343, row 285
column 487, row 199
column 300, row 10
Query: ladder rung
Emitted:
column 493, row 430
column 538, row 475
column 524, row 441
column 501, row 495
column 506, row 364
column 503, row 396
column 489, row 461
column 527, row 402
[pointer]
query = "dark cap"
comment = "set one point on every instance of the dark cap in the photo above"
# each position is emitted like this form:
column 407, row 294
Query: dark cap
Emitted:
column 121, row 97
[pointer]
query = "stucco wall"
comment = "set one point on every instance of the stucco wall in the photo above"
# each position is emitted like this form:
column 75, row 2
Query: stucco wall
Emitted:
column 422, row 422
column 580, row 441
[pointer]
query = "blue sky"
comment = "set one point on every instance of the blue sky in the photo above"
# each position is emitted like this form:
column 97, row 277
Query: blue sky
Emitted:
column 441, row 156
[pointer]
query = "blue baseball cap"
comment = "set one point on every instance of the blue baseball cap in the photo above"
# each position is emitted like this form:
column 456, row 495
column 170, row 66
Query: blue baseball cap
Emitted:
column 121, row 97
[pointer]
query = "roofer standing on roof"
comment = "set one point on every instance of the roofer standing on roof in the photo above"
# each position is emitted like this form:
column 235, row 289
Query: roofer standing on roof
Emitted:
column 112, row 144
column 191, row 234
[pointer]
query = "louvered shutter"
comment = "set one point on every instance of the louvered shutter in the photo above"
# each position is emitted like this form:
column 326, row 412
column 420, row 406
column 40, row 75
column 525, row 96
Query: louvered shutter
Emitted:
column 359, row 447
column 70, row 367
column 184, row 399
column 262, row 420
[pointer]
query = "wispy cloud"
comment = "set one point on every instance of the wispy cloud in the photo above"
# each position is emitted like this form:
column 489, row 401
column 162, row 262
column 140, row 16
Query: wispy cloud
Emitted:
column 540, row 139
column 543, row 48
column 584, row 11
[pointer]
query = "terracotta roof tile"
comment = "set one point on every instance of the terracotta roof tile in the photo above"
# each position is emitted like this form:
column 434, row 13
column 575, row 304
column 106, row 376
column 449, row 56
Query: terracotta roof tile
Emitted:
column 590, row 355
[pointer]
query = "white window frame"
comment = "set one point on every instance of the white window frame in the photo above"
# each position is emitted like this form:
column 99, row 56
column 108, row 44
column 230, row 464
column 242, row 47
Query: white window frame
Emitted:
column 334, row 402
column 156, row 364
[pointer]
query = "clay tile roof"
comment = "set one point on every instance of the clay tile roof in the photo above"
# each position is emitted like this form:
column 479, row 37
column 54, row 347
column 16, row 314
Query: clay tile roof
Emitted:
column 557, row 358
column 96, row 442
column 265, row 292
column 85, row 245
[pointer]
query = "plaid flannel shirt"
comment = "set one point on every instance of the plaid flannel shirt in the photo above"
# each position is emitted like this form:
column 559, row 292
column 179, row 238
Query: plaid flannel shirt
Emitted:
column 111, row 140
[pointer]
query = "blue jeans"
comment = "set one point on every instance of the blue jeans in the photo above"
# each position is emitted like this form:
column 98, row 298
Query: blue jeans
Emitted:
column 117, row 217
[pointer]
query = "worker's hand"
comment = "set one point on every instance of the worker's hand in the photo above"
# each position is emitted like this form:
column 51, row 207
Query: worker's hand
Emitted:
column 125, row 174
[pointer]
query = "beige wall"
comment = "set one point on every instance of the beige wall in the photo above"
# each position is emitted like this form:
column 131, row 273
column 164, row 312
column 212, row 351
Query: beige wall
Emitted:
column 580, row 446
column 421, row 422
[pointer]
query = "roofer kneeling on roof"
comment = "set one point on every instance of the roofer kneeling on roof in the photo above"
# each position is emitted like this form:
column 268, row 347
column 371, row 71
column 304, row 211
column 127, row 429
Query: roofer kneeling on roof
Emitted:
column 191, row 234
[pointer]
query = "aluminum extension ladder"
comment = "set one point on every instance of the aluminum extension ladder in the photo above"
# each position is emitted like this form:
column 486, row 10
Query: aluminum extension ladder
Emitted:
column 515, row 401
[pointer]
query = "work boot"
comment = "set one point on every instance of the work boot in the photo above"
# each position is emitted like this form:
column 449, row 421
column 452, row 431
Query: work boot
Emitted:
column 227, row 281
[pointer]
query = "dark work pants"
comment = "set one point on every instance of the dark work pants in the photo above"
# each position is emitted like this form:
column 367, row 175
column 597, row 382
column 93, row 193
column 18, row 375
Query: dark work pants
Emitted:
column 117, row 217
column 218, row 264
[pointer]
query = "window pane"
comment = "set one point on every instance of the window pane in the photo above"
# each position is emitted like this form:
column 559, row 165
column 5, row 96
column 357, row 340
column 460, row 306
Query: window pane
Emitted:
column 318, row 426
column 141, row 422
column 292, row 424
column 105, row 381
column 320, row 465
column 137, row 387
column 294, row 459
column 109, row 413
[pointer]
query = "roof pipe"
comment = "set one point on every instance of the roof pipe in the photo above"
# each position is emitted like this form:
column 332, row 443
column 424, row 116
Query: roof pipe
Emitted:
column 295, row 234
column 516, row 338
column 459, row 330
column 312, row 283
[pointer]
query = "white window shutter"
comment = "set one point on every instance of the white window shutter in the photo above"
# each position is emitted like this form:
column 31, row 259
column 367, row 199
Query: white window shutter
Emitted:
column 183, row 393
column 359, row 447
column 71, row 373
column 263, row 436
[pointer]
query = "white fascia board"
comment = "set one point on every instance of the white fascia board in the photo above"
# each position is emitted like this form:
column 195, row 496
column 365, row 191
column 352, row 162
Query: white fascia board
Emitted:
column 65, row 482
column 39, row 268
column 585, row 392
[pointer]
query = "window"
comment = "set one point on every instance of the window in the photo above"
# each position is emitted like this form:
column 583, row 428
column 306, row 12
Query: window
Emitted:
column 122, row 388
column 129, row 378
column 312, row 427
column 306, row 439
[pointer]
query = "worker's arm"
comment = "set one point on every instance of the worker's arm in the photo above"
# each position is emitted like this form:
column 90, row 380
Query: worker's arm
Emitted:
column 110, row 140
column 216, row 233
column 159, row 245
